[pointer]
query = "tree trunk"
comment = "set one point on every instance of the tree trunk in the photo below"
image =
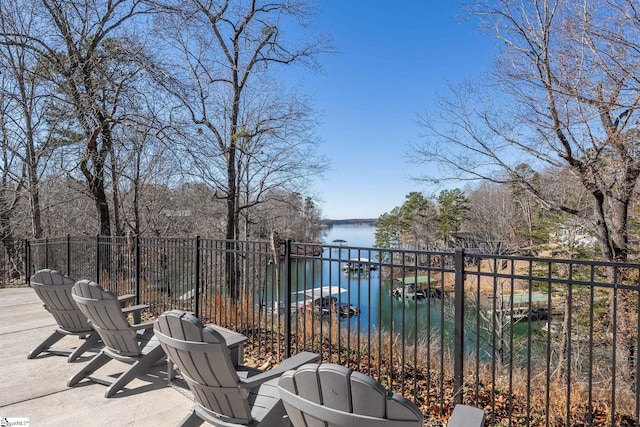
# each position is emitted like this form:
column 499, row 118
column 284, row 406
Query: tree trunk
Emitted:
column 34, row 202
column 232, row 191
column 619, row 213
column 230, row 259
column 32, row 178
column 95, row 177
column 115, row 196
column 102, row 206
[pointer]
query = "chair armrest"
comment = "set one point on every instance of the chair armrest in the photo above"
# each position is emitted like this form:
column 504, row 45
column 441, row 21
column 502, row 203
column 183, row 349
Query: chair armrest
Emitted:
column 134, row 308
column 146, row 325
column 124, row 299
column 298, row 360
column 292, row 362
column 137, row 312
column 466, row 416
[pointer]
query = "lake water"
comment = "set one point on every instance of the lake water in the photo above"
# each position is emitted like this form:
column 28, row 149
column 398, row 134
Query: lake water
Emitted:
column 366, row 290
column 354, row 235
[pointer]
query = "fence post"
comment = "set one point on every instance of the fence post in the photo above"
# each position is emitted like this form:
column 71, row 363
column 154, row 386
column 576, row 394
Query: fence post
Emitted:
column 27, row 261
column 97, row 258
column 69, row 255
column 46, row 252
column 196, row 264
column 287, row 298
column 136, row 246
column 458, row 341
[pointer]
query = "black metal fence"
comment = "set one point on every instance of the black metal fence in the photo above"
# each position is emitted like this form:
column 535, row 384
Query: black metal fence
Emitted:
column 533, row 341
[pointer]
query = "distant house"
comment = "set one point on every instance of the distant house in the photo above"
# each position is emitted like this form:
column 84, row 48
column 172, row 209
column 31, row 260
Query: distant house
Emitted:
column 572, row 236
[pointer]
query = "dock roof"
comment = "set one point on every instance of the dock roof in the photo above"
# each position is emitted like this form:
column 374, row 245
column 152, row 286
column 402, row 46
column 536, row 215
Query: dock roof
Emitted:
column 410, row 280
column 523, row 298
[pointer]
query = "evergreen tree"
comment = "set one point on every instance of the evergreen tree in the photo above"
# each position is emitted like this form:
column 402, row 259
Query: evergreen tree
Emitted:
column 454, row 206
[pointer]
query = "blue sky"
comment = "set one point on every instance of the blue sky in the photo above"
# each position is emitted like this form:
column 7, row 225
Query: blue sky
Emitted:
column 394, row 57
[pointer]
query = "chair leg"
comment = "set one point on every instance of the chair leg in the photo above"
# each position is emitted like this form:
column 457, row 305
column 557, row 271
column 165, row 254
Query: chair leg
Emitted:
column 191, row 420
column 142, row 366
column 89, row 342
column 98, row 361
column 46, row 344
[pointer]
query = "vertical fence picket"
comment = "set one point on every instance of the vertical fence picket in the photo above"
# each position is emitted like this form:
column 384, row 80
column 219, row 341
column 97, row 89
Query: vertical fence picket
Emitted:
column 136, row 248
column 458, row 344
column 97, row 258
column 27, row 261
column 46, row 252
column 287, row 298
column 196, row 274
column 68, row 271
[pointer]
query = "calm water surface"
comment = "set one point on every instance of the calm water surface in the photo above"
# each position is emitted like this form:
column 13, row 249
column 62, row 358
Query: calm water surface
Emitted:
column 367, row 291
column 354, row 235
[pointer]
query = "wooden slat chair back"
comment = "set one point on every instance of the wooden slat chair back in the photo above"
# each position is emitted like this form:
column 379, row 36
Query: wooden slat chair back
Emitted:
column 330, row 395
column 107, row 317
column 54, row 290
column 133, row 344
column 205, row 362
column 224, row 395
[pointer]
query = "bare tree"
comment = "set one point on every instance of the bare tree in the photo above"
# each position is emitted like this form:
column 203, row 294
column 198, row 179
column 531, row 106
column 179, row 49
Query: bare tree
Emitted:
column 25, row 101
column 85, row 50
column 565, row 96
column 12, row 180
column 251, row 135
column 492, row 216
column 276, row 151
column 23, row 134
column 141, row 169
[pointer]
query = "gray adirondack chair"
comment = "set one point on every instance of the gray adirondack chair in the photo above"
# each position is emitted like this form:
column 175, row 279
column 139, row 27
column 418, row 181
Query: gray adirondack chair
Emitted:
column 132, row 344
column 330, row 395
column 54, row 290
column 225, row 396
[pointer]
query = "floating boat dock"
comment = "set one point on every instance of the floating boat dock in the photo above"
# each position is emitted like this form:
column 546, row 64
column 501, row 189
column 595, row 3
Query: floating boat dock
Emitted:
column 323, row 301
column 417, row 287
column 359, row 265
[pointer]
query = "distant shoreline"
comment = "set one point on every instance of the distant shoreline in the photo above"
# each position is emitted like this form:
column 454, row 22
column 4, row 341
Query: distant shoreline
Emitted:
column 354, row 221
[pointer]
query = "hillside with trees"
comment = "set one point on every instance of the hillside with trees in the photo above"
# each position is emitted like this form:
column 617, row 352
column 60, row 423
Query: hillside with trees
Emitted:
column 494, row 218
column 156, row 117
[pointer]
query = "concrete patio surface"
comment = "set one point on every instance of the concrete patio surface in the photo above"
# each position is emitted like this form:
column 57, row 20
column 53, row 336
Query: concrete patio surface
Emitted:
column 37, row 389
